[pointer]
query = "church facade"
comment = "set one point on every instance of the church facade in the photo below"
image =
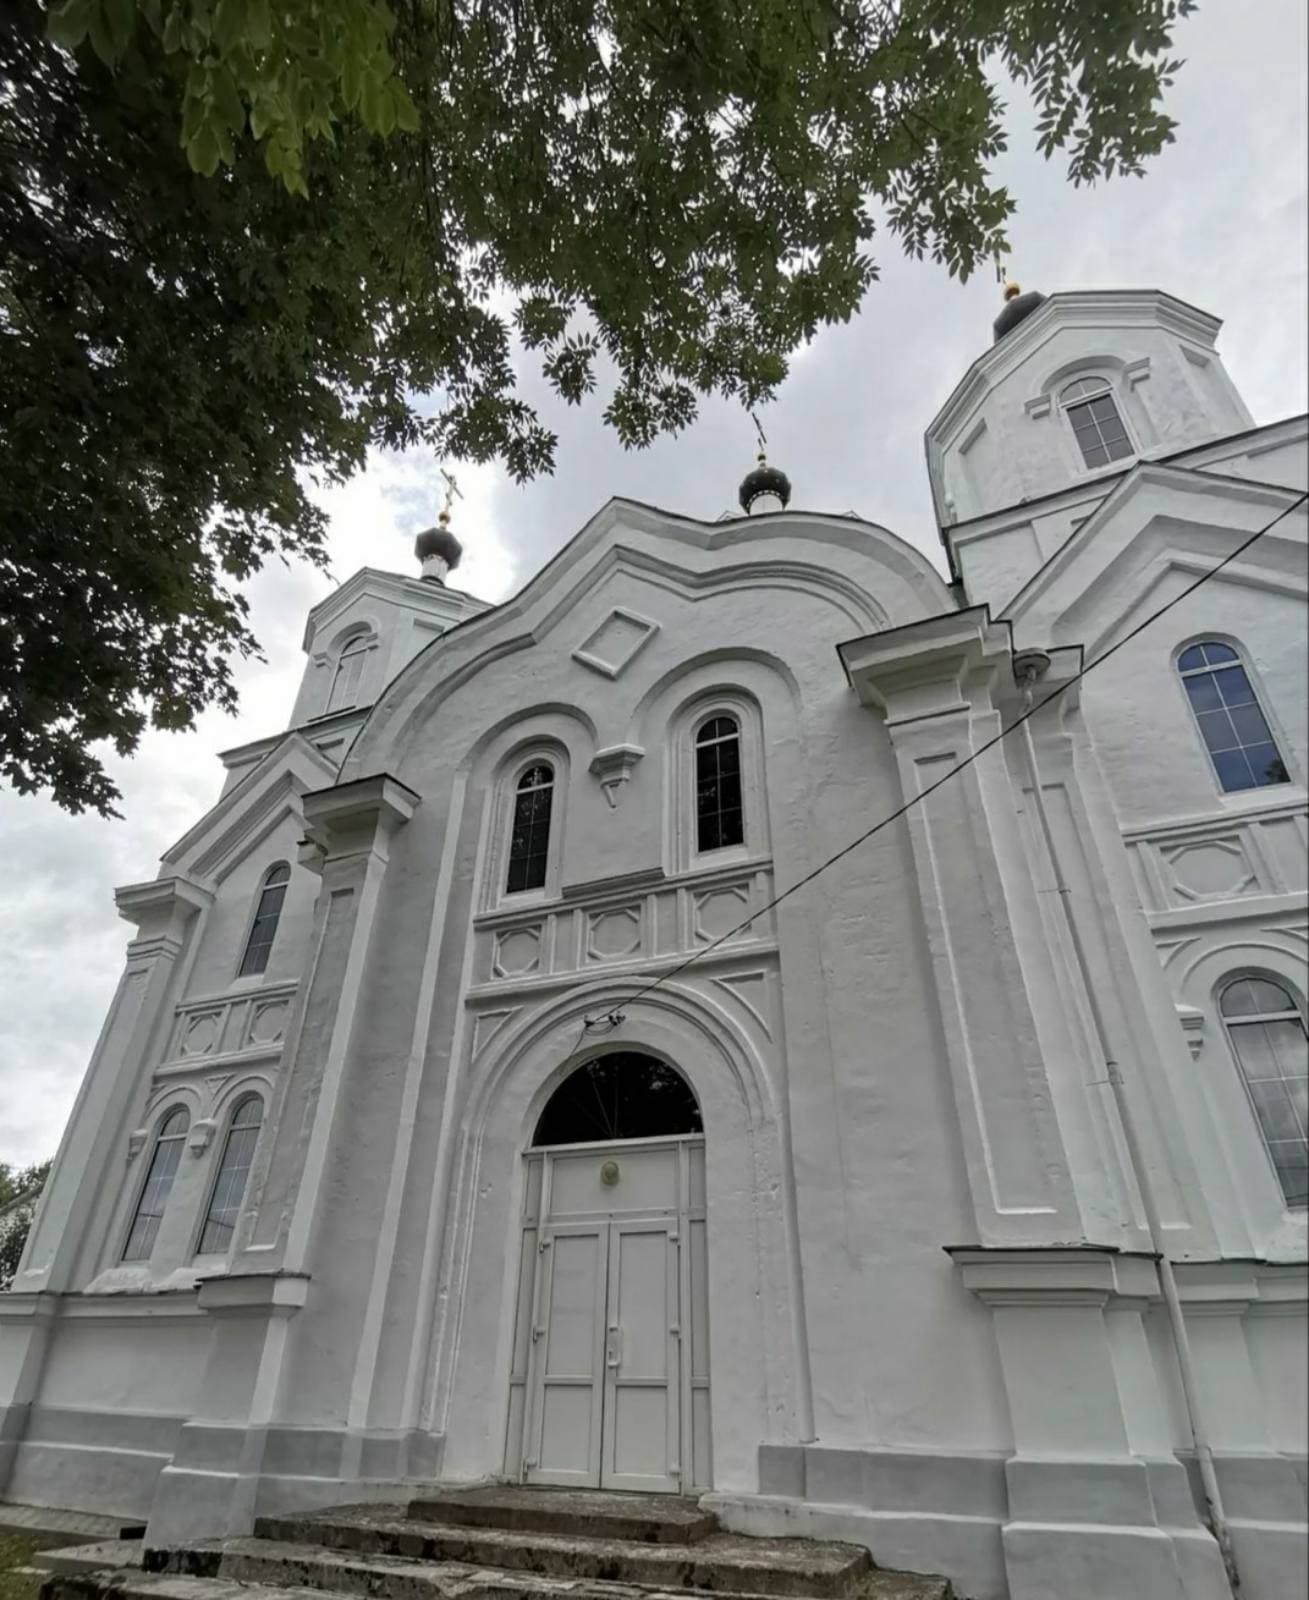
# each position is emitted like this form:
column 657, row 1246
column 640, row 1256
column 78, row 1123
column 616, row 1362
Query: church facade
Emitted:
column 505, row 1081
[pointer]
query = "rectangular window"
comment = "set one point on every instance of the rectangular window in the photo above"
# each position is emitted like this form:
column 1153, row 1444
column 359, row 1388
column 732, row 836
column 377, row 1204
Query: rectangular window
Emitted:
column 1099, row 430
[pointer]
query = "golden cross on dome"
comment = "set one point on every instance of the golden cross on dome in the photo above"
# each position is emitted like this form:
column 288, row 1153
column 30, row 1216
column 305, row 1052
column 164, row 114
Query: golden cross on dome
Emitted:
column 451, row 495
column 761, row 438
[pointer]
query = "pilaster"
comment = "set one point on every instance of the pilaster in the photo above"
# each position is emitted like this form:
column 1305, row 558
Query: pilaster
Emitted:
column 1098, row 1504
column 936, row 684
column 221, row 1468
column 163, row 912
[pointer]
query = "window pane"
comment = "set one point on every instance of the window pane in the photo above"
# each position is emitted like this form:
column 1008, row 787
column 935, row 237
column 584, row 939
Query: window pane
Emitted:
column 1095, row 455
column 1194, row 657
column 1234, row 686
column 624, row 1095
column 1119, row 446
column 154, row 1192
column 1250, row 725
column 529, row 839
column 1274, row 1060
column 1219, row 734
column 1233, row 771
column 233, row 1172
column 264, row 927
column 1215, row 652
column 1267, row 766
column 1202, row 691
column 719, row 817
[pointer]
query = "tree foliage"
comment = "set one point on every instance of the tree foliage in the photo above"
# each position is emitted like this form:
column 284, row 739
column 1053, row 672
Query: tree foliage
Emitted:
column 241, row 242
column 20, row 1189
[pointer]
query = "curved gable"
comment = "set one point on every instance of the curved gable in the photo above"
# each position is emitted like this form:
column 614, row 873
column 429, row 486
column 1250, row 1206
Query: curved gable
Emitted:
column 863, row 577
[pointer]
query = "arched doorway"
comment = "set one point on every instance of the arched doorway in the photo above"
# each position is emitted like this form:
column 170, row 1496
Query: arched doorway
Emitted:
column 610, row 1382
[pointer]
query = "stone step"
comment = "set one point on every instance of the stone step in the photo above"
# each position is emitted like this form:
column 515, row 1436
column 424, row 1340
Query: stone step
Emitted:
column 272, row 1567
column 89, row 1557
column 644, row 1518
column 449, row 1582
column 70, row 1527
column 718, row 1563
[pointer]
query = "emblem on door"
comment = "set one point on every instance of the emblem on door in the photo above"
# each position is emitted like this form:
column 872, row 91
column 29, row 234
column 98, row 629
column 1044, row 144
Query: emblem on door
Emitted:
column 610, row 1174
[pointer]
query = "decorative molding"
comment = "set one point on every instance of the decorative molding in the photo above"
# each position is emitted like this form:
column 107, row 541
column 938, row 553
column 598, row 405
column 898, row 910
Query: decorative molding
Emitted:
column 717, row 911
column 618, row 883
column 1138, row 371
column 1192, row 1020
column 612, row 647
column 486, row 1024
column 517, row 952
column 201, row 1135
column 614, row 932
column 613, row 769
column 1056, row 1276
column 750, row 991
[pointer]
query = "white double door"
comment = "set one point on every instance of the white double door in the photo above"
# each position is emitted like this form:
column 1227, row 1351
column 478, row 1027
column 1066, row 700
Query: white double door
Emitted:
column 617, row 1380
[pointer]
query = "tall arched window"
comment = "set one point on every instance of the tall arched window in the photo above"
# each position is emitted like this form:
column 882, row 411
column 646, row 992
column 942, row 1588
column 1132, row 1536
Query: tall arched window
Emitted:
column 1092, row 412
column 529, row 839
column 264, row 927
column 719, row 818
column 1269, row 1042
column 349, row 672
column 233, row 1171
column 159, row 1177
column 1234, row 728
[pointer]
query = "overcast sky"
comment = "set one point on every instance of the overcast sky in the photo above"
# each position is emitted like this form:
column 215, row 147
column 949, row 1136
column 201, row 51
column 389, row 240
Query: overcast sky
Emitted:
column 1220, row 221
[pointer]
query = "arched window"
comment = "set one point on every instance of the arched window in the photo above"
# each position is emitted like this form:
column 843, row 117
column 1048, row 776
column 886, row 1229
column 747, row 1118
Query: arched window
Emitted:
column 1097, row 426
column 264, row 927
column 529, row 839
column 1232, row 725
column 233, row 1171
column 158, row 1182
column 719, row 819
column 1269, row 1042
column 349, row 672
column 623, row 1095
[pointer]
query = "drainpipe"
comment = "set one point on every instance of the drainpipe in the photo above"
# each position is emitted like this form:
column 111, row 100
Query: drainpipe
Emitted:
column 1029, row 666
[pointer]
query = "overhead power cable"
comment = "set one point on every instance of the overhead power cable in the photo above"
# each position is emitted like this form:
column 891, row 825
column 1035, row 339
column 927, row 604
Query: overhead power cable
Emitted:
column 613, row 1014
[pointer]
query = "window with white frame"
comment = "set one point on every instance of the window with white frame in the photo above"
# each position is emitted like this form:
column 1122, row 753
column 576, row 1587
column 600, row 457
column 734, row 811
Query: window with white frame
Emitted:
column 1269, row 1041
column 268, row 913
column 1097, row 424
column 1231, row 722
column 719, row 807
column 349, row 673
column 233, row 1172
column 529, row 834
column 164, row 1160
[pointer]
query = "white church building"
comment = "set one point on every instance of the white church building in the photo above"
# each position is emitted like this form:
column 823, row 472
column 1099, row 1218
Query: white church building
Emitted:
column 471, row 1108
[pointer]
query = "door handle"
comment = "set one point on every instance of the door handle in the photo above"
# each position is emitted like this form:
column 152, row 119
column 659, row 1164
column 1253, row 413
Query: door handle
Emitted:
column 614, row 1347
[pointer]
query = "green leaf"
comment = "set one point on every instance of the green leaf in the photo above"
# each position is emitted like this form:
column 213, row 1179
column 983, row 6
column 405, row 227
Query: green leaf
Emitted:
column 69, row 22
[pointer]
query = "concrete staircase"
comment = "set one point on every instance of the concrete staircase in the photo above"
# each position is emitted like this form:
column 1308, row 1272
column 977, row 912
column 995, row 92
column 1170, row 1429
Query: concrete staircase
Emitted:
column 502, row 1543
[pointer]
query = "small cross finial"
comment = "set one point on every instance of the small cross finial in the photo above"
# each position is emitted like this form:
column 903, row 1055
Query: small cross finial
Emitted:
column 761, row 438
column 451, row 495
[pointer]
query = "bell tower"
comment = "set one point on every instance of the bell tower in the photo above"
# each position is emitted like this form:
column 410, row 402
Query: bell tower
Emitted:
column 1075, row 388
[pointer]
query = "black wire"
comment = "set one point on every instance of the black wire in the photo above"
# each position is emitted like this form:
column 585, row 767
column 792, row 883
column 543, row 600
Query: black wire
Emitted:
column 981, row 750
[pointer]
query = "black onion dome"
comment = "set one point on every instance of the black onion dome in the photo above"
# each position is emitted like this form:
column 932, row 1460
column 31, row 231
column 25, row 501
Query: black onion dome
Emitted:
column 439, row 542
column 764, row 480
column 1017, row 308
